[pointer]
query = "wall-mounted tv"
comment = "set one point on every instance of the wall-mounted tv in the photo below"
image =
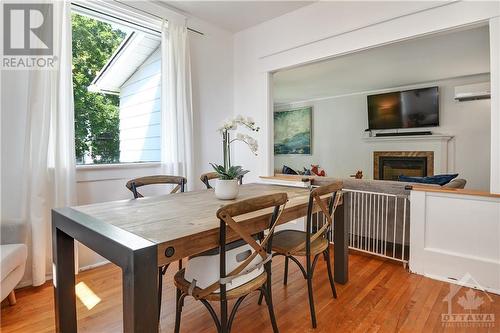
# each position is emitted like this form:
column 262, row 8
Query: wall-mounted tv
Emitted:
column 404, row 109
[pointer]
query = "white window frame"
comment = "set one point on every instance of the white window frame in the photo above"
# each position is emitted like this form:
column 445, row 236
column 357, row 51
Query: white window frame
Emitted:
column 122, row 14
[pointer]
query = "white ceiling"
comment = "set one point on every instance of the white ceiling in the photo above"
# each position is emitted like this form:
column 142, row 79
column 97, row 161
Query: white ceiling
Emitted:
column 235, row 16
column 427, row 59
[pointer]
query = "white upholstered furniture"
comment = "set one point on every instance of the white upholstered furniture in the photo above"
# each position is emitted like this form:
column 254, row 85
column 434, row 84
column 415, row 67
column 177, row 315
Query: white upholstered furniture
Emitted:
column 13, row 253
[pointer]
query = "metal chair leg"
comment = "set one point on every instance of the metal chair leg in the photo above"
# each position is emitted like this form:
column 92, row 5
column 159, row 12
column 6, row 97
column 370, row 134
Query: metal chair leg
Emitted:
column 160, row 289
column 326, row 255
column 310, row 292
column 269, row 302
column 179, row 300
column 233, row 312
column 223, row 315
column 161, row 272
column 260, row 297
column 285, row 277
column 212, row 314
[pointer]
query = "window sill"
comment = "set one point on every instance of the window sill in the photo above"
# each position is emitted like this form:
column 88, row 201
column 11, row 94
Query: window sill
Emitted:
column 137, row 165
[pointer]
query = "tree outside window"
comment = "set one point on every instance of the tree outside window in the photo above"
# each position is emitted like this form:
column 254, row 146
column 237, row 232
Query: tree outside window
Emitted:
column 97, row 138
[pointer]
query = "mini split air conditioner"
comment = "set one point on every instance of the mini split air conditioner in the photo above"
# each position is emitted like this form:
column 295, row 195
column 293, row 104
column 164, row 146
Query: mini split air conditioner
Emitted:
column 473, row 92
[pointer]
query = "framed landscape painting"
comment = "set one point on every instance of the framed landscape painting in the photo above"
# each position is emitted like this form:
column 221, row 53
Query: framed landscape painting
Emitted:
column 293, row 131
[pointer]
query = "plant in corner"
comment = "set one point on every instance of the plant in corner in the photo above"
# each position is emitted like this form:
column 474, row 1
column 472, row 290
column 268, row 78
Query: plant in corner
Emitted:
column 226, row 186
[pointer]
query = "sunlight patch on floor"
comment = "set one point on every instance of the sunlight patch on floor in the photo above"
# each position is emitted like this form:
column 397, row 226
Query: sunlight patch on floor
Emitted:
column 86, row 295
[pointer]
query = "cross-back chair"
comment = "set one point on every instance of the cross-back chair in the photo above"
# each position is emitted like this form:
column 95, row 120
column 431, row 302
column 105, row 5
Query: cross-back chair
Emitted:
column 242, row 269
column 207, row 177
column 178, row 181
column 180, row 185
column 311, row 243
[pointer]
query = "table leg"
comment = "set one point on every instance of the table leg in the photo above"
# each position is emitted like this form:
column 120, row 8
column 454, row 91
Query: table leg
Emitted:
column 140, row 286
column 340, row 245
column 64, row 281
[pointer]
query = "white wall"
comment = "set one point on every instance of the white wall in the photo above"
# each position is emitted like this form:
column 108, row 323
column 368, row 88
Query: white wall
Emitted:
column 212, row 80
column 453, row 235
column 495, row 104
column 140, row 113
column 339, row 124
column 326, row 30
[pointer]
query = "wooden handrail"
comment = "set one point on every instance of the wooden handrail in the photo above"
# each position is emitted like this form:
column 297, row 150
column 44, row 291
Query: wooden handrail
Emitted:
column 438, row 189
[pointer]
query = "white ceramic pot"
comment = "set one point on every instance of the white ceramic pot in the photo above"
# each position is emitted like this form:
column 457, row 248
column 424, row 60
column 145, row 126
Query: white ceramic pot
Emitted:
column 226, row 189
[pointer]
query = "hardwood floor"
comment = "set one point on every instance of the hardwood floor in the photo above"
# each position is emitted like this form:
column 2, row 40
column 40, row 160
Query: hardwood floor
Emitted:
column 380, row 297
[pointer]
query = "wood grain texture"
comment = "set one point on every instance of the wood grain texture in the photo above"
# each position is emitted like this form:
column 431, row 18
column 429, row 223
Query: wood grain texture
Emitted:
column 187, row 222
column 209, row 176
column 440, row 189
column 292, row 241
column 245, row 289
column 380, row 297
column 135, row 183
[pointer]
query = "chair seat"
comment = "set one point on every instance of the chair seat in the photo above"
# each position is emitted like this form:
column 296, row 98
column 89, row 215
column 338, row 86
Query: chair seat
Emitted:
column 286, row 240
column 182, row 284
column 13, row 256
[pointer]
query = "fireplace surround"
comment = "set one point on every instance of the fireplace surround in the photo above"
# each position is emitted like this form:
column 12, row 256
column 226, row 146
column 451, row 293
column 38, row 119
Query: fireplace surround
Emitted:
column 389, row 165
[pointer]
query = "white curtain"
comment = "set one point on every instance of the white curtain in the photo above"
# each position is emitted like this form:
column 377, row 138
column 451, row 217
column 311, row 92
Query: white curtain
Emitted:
column 49, row 154
column 176, row 103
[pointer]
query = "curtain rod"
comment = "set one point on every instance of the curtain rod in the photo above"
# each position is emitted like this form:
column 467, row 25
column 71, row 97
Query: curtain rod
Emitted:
column 132, row 23
column 157, row 16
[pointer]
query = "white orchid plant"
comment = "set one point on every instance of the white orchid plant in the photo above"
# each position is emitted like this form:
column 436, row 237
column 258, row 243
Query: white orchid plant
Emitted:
column 226, row 129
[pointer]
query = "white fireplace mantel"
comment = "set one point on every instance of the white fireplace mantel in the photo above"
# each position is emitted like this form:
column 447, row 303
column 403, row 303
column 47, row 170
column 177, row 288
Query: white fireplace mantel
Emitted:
column 404, row 138
column 440, row 144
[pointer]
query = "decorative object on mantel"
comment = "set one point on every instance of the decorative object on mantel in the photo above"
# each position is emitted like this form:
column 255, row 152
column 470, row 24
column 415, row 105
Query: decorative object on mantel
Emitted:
column 315, row 169
column 226, row 186
column 358, row 175
column 293, row 131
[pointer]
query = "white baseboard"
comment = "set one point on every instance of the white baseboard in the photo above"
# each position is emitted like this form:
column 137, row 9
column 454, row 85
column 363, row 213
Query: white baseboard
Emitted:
column 98, row 264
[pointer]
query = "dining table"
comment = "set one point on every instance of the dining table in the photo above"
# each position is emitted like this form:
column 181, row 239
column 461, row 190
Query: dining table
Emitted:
column 141, row 235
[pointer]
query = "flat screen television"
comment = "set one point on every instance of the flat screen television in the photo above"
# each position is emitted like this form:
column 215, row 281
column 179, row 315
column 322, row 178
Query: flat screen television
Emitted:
column 404, row 109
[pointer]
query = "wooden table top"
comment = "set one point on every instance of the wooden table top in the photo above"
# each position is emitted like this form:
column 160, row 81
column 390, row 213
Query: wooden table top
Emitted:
column 166, row 218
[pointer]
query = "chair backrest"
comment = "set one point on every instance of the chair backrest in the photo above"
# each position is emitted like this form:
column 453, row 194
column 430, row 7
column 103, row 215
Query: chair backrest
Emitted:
column 263, row 249
column 208, row 176
column 133, row 184
column 333, row 194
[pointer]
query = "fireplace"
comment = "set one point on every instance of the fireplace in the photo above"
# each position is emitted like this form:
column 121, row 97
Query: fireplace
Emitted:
column 391, row 165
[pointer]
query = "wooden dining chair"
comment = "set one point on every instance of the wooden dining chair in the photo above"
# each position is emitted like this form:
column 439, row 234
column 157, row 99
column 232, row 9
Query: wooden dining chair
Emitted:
column 207, row 177
column 178, row 181
column 180, row 185
column 310, row 244
column 249, row 265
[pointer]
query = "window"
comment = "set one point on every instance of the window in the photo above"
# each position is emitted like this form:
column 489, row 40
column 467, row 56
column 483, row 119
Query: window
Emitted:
column 116, row 83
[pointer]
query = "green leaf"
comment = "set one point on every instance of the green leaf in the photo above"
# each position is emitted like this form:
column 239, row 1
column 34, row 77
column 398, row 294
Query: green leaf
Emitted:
column 233, row 172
